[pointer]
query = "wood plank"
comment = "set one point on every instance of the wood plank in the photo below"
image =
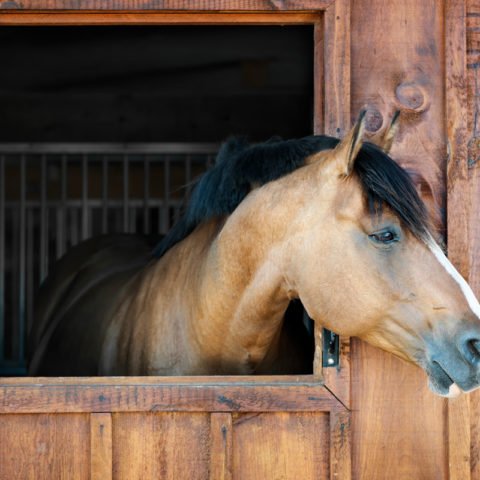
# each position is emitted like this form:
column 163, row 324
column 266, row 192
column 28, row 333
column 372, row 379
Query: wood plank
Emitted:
column 458, row 210
column 161, row 446
column 44, row 447
column 318, row 78
column 173, row 5
column 474, row 434
column 281, row 445
column 459, row 438
column 398, row 425
column 460, row 193
column 340, row 446
column 219, row 380
column 13, row 17
column 100, row 446
column 398, row 62
column 188, row 398
column 337, row 379
column 336, row 30
column 220, row 446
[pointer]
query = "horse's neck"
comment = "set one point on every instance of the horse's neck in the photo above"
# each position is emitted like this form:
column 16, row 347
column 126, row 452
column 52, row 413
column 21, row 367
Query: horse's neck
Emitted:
column 243, row 293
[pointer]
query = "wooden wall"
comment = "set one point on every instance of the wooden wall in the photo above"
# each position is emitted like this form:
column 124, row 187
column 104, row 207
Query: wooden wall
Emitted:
column 420, row 57
column 398, row 53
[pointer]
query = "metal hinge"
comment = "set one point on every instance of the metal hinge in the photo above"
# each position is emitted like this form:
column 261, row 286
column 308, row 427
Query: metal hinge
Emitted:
column 330, row 349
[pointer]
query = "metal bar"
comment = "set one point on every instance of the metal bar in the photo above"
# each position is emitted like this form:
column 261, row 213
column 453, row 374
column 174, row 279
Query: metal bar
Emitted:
column 166, row 196
column 93, row 202
column 84, row 196
column 2, row 255
column 146, row 195
column 62, row 241
column 109, row 148
column 30, row 268
column 74, row 226
column 104, row 194
column 126, row 192
column 43, row 218
column 21, row 296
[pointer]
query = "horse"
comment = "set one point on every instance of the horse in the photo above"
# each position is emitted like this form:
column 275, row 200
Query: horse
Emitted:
column 334, row 224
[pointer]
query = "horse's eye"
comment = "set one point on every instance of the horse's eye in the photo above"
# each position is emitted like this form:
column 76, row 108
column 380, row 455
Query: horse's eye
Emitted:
column 384, row 237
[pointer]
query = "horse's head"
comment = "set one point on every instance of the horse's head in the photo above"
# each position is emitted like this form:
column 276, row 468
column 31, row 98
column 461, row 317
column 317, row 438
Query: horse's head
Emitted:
column 366, row 264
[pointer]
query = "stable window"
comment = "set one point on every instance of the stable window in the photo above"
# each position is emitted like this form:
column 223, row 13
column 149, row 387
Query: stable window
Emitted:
column 57, row 172
column 104, row 129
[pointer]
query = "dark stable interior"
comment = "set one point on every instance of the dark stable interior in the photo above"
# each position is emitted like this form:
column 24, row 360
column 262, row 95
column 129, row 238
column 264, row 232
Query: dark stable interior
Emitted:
column 155, row 83
column 125, row 84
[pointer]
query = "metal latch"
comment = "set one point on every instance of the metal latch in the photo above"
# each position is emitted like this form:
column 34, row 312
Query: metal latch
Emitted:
column 331, row 348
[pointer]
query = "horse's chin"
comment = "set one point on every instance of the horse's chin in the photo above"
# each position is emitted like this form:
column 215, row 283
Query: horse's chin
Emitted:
column 440, row 383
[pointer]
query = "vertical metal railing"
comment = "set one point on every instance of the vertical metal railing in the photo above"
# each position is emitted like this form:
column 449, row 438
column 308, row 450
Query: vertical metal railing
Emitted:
column 85, row 219
column 166, row 196
column 104, row 194
column 43, row 223
column 43, row 218
column 2, row 256
column 20, row 332
column 62, row 217
column 146, row 195
column 125, row 193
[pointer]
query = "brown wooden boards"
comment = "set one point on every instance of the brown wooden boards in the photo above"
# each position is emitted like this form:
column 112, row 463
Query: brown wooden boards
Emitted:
column 44, row 446
column 157, row 428
column 168, row 5
column 398, row 61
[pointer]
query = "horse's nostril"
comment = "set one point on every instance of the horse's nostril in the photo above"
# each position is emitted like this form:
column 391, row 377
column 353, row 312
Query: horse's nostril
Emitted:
column 473, row 347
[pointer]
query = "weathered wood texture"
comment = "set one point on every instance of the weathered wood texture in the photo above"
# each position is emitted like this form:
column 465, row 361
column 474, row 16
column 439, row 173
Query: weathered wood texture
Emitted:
column 101, row 446
column 158, row 441
column 459, row 207
column 297, row 443
column 398, row 58
column 44, row 446
column 189, row 394
column 336, row 69
column 221, row 446
column 464, row 193
column 13, row 17
column 173, row 5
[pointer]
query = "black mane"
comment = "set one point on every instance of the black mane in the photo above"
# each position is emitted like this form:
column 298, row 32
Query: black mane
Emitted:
column 240, row 166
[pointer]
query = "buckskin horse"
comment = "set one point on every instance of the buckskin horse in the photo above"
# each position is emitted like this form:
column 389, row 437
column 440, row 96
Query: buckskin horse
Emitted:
column 334, row 223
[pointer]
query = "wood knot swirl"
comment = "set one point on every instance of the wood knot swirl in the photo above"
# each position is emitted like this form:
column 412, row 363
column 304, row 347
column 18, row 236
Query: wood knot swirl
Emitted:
column 373, row 120
column 411, row 97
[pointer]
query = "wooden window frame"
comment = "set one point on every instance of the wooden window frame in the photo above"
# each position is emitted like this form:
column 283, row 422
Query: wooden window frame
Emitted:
column 327, row 389
column 331, row 22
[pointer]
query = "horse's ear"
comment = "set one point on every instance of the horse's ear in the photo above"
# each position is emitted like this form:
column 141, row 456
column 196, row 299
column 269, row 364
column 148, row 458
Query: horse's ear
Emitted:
column 384, row 139
column 346, row 151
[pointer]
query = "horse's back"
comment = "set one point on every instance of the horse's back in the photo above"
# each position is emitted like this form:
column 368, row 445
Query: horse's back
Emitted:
column 76, row 299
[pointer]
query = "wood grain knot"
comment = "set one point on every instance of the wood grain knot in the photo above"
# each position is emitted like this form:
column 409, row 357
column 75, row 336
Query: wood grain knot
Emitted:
column 373, row 120
column 9, row 6
column 410, row 96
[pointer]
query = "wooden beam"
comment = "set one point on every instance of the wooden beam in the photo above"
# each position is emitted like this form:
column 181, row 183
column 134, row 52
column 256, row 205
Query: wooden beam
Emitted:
column 336, row 54
column 172, row 5
column 192, row 396
column 14, row 17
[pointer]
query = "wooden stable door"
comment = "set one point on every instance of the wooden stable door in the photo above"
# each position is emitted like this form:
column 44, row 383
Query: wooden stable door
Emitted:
column 190, row 428
column 416, row 57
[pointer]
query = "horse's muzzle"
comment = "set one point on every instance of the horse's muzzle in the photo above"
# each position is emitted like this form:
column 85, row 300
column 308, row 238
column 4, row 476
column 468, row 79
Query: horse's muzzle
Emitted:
column 454, row 362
